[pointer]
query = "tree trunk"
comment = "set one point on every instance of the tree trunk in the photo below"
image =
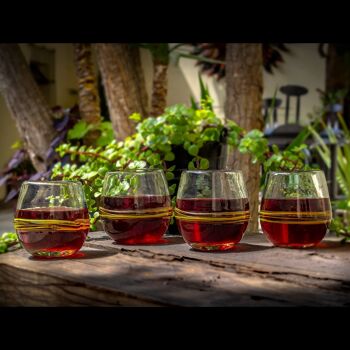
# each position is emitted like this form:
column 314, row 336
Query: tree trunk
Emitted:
column 159, row 89
column 244, row 87
column 89, row 101
column 135, row 59
column 27, row 105
column 338, row 73
column 160, row 57
column 123, row 83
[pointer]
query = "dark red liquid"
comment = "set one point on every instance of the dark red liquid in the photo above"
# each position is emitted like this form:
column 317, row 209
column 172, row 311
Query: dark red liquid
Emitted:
column 212, row 236
column 51, row 243
column 135, row 231
column 296, row 235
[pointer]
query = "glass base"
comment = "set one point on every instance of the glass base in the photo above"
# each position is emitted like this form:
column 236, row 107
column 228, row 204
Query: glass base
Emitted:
column 295, row 245
column 47, row 254
column 210, row 247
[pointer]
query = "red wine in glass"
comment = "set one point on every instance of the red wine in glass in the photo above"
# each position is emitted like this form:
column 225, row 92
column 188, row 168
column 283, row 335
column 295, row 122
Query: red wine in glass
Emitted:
column 295, row 223
column 135, row 230
column 208, row 236
column 52, row 241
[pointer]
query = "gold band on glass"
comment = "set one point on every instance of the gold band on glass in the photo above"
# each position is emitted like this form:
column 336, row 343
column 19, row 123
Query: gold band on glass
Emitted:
column 28, row 225
column 152, row 213
column 229, row 217
column 301, row 218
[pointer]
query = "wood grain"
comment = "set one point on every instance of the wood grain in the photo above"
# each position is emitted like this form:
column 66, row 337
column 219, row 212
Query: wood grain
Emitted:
column 106, row 274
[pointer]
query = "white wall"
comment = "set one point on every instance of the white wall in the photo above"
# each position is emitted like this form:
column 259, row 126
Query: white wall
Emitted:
column 303, row 66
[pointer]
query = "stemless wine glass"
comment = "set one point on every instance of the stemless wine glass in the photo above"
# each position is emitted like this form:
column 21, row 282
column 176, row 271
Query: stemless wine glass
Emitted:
column 212, row 209
column 51, row 219
column 135, row 206
column 295, row 208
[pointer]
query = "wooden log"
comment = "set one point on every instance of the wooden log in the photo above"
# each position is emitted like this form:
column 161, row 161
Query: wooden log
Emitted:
column 172, row 275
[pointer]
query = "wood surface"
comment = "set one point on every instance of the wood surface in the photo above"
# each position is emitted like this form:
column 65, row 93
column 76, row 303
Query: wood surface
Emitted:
column 171, row 274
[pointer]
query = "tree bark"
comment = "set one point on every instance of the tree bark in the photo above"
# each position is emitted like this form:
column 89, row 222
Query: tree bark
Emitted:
column 338, row 73
column 26, row 103
column 159, row 89
column 160, row 58
column 123, row 83
column 135, row 59
column 89, row 101
column 244, row 87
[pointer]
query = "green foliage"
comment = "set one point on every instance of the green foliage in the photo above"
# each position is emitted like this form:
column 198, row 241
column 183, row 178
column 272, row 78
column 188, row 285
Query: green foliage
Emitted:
column 205, row 98
column 339, row 225
column 107, row 134
column 340, row 228
column 333, row 97
column 254, row 143
column 153, row 146
column 81, row 129
column 7, row 240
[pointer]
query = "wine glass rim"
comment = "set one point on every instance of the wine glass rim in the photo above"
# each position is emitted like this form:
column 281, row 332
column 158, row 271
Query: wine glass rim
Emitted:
column 53, row 182
column 296, row 171
column 133, row 171
column 213, row 171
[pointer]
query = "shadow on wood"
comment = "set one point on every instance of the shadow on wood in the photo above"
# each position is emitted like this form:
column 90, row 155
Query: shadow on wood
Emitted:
column 239, row 248
column 87, row 254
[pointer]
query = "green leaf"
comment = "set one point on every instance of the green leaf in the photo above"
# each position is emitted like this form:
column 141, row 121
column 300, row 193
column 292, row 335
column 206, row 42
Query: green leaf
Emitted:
column 193, row 103
column 211, row 134
column 204, row 164
column 177, row 139
column 91, row 174
column 135, row 117
column 193, row 150
column 169, row 157
column 102, row 171
column 191, row 166
column 107, row 134
column 79, row 130
column 153, row 159
column 3, row 247
column 169, row 175
column 172, row 189
column 137, row 164
column 17, row 145
column 275, row 149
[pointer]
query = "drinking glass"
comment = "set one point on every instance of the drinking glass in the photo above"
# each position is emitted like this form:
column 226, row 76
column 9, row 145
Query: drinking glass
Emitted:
column 212, row 209
column 135, row 206
column 51, row 219
column 295, row 208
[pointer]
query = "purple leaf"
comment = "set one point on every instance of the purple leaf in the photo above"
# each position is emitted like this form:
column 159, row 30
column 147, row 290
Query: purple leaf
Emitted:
column 17, row 159
column 36, row 176
column 61, row 123
column 4, row 178
column 12, row 194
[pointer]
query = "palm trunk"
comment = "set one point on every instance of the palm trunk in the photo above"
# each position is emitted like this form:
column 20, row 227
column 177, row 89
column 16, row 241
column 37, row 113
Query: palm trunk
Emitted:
column 159, row 89
column 137, row 70
column 244, row 89
column 160, row 57
column 89, row 100
column 26, row 103
column 124, row 85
